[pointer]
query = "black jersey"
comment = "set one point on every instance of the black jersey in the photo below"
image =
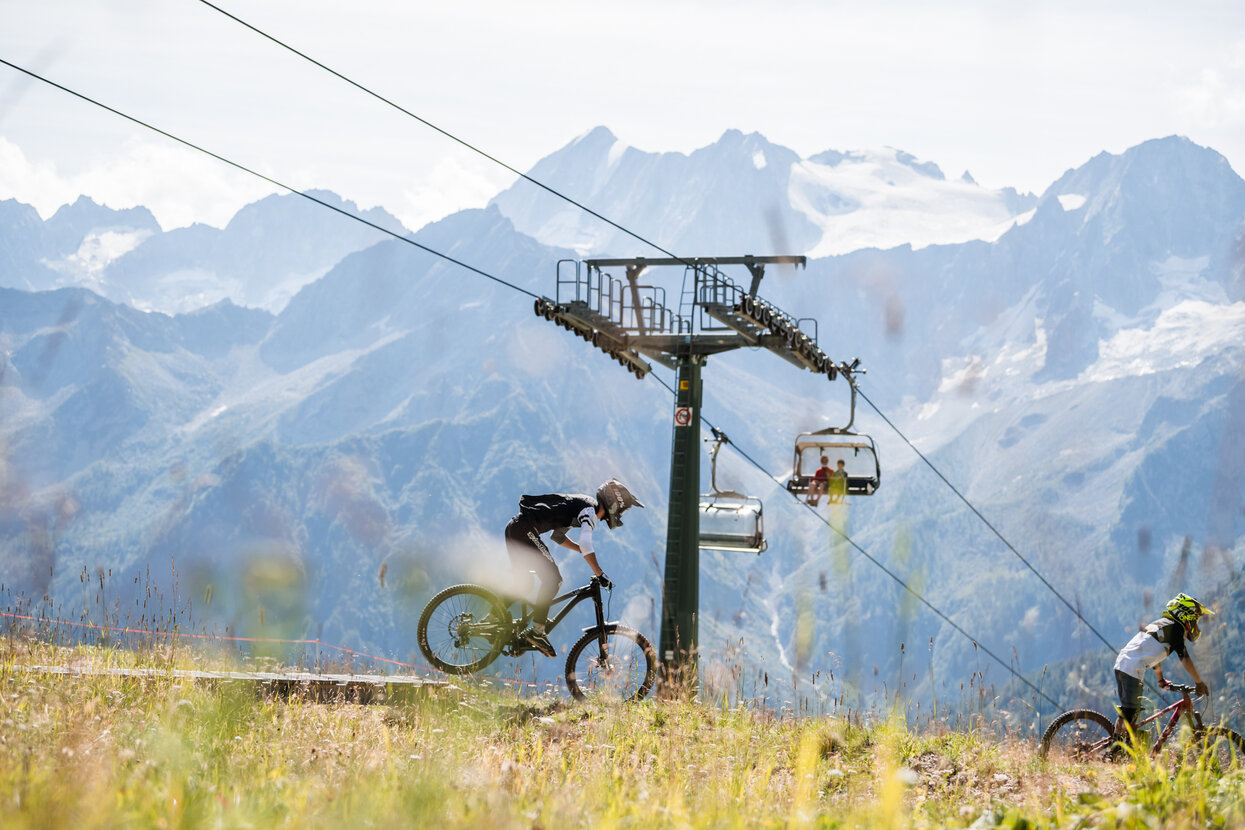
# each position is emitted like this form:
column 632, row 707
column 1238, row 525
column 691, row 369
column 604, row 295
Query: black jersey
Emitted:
column 558, row 512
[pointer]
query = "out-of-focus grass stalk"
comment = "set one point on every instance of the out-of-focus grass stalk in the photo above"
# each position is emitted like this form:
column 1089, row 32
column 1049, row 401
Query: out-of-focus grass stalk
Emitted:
column 103, row 751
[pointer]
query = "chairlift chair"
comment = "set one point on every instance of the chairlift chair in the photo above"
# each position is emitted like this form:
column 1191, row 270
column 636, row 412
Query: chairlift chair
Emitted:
column 857, row 452
column 729, row 521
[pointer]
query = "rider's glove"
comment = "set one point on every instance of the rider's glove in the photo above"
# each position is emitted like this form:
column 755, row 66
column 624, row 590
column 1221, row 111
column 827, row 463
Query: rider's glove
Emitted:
column 1165, row 683
column 605, row 581
column 1201, row 690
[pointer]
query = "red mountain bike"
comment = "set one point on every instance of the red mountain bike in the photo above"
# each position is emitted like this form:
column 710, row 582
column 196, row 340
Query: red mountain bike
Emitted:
column 1086, row 735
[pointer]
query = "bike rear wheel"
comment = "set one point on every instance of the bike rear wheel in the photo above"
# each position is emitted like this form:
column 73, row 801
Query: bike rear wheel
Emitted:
column 624, row 670
column 1079, row 735
column 463, row 629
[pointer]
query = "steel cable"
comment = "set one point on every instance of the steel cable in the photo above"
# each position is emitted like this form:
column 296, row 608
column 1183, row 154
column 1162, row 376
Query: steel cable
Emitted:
column 511, row 285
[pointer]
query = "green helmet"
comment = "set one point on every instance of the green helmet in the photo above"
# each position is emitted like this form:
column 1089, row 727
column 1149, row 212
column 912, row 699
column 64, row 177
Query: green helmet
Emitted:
column 1185, row 610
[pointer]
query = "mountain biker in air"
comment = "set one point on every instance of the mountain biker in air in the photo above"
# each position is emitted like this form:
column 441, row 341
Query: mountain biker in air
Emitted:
column 559, row 513
column 1148, row 648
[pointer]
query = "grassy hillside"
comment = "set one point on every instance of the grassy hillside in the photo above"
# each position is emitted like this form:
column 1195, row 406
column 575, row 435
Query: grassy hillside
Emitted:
column 109, row 752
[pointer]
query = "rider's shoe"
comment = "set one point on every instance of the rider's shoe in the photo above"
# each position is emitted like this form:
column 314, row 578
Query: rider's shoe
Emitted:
column 1121, row 746
column 540, row 642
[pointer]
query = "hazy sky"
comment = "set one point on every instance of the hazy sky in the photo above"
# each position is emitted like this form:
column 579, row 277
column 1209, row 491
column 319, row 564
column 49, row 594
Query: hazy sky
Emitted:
column 1016, row 93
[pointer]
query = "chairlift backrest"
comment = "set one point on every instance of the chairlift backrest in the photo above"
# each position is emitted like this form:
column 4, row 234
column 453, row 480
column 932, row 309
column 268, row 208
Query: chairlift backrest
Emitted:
column 857, row 452
column 728, row 520
column 732, row 522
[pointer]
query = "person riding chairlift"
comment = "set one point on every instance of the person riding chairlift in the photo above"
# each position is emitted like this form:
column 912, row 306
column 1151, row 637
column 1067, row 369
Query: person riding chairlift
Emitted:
column 827, row 481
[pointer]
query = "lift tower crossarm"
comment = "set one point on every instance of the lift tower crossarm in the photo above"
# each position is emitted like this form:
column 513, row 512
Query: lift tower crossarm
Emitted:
column 748, row 261
column 702, row 345
column 748, row 331
column 600, row 332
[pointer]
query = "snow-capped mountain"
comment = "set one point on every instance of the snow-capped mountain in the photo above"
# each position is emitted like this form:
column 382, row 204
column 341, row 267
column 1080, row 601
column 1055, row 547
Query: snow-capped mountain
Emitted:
column 773, row 202
column 1076, row 372
column 124, row 255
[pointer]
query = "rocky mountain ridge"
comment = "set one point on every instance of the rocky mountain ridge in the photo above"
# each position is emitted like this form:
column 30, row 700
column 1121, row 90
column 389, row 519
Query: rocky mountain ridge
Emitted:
column 334, row 462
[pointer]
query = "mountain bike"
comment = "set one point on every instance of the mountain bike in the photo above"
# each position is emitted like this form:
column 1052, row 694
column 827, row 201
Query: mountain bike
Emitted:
column 1086, row 735
column 466, row 627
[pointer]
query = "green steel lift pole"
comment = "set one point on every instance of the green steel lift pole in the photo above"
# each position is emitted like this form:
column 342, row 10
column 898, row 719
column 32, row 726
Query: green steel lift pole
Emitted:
column 681, row 599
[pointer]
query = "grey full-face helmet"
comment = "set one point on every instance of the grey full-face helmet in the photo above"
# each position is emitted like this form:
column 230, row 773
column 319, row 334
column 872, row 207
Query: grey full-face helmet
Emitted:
column 614, row 496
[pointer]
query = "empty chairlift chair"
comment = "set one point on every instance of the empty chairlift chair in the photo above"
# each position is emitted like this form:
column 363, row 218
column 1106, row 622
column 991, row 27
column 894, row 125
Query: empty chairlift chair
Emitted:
column 730, row 521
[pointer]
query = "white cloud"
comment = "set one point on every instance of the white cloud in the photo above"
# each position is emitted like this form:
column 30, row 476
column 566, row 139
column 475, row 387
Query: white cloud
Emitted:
column 1217, row 99
column 36, row 184
column 171, row 180
column 459, row 180
column 1015, row 94
column 178, row 185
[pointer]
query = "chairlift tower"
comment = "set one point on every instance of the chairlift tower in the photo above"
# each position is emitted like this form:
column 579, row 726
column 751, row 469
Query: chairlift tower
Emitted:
column 635, row 323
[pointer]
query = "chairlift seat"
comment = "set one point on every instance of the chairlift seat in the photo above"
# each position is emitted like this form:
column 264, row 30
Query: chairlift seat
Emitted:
column 857, row 451
column 731, row 522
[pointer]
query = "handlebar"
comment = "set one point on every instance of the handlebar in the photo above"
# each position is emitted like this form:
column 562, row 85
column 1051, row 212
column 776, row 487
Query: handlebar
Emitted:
column 1181, row 688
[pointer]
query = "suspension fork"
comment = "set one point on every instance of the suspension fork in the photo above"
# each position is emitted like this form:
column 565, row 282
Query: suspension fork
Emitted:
column 1195, row 718
column 596, row 602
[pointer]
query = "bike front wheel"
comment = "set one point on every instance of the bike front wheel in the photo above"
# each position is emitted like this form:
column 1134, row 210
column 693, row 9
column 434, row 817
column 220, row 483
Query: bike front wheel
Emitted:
column 1221, row 748
column 1079, row 735
column 463, row 629
column 624, row 668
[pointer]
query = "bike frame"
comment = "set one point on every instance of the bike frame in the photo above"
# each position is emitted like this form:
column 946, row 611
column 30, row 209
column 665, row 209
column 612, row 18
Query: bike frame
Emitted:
column 1184, row 706
column 590, row 591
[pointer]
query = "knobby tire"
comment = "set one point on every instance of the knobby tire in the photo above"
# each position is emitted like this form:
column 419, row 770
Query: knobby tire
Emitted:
column 623, row 678
column 1078, row 730
column 463, row 629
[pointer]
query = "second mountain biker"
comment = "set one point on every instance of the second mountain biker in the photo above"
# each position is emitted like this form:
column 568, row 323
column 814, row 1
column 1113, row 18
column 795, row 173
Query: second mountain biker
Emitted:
column 558, row 512
column 1147, row 650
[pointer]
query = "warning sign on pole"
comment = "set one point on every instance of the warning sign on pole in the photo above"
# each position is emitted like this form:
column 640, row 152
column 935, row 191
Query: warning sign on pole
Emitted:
column 682, row 416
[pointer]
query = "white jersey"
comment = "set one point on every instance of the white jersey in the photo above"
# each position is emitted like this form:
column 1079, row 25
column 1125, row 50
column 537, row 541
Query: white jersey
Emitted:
column 1150, row 646
column 585, row 520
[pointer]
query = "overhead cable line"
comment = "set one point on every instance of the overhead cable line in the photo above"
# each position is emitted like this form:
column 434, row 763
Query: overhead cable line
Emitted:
column 648, row 242
column 443, row 132
column 985, row 521
column 508, row 284
column 270, row 180
column 894, row 576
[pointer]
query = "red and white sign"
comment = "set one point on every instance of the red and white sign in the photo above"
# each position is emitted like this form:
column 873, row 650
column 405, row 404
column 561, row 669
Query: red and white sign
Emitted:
column 682, row 416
